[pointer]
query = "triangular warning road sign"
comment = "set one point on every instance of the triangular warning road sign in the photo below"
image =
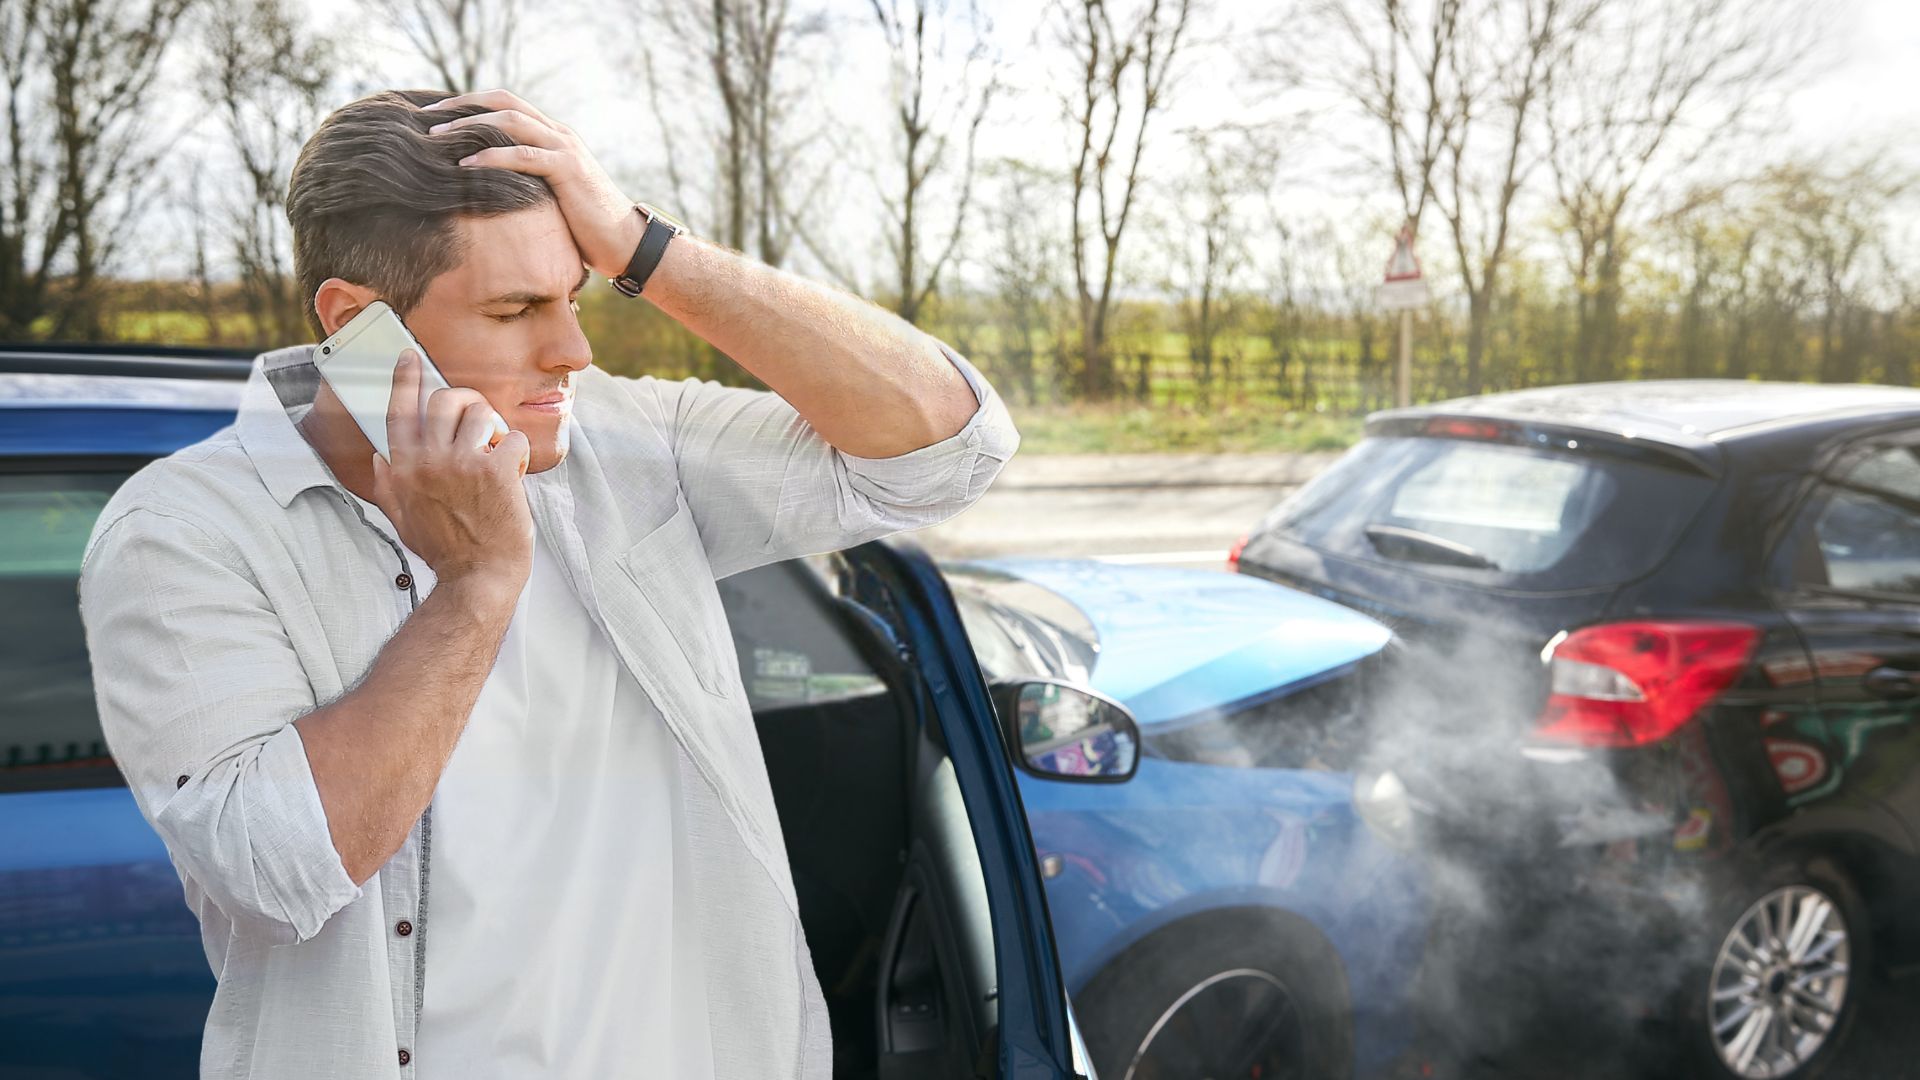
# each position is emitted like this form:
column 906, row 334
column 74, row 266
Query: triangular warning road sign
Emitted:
column 1404, row 266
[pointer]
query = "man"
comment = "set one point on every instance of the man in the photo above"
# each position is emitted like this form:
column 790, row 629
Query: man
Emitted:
column 455, row 765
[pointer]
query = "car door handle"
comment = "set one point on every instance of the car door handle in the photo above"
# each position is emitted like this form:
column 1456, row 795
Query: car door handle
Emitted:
column 1892, row 683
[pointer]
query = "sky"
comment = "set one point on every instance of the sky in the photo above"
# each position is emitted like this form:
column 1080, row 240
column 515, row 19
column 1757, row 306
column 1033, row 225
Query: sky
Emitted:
column 582, row 57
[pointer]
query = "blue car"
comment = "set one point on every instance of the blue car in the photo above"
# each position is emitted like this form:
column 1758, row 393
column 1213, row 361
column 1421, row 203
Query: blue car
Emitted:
column 923, row 892
column 1228, row 899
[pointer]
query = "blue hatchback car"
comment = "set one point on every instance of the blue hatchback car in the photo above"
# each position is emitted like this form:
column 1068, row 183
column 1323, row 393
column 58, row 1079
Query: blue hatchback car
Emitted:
column 1197, row 818
column 1228, row 907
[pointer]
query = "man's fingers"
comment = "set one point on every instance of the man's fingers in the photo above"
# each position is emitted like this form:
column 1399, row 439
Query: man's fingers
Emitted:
column 513, row 447
column 476, row 427
column 497, row 100
column 524, row 129
column 445, row 407
column 521, row 158
column 403, row 404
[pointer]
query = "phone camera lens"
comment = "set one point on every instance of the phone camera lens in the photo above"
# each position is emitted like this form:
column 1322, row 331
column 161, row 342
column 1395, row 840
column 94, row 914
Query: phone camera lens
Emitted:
column 326, row 348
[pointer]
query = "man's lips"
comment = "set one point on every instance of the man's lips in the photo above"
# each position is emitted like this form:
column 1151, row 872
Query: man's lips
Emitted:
column 550, row 402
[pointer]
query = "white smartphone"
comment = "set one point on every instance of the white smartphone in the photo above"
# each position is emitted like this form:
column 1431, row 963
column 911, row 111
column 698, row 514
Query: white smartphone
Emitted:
column 358, row 361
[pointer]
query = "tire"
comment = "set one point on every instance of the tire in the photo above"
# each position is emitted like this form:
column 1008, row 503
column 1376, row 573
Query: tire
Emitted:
column 1178, row 1004
column 1818, row 1017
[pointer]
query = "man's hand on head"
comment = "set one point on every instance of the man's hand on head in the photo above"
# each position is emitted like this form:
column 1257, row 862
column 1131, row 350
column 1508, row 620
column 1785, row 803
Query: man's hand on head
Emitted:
column 602, row 220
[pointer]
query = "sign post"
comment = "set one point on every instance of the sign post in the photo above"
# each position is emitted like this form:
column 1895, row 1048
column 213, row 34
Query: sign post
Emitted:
column 1405, row 291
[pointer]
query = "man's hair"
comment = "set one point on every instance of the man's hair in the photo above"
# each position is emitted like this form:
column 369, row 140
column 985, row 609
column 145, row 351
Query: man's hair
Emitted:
column 374, row 199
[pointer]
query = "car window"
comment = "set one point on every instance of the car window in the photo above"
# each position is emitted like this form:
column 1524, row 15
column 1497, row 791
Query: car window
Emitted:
column 49, row 730
column 1508, row 515
column 793, row 642
column 1867, row 528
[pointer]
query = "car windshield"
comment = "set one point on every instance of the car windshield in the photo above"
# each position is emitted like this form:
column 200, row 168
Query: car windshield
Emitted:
column 1020, row 628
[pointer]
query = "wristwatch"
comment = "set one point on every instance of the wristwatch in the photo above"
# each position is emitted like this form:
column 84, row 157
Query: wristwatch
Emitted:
column 661, row 227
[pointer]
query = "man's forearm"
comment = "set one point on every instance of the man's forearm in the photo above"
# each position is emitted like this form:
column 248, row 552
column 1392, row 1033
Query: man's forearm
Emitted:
column 868, row 381
column 377, row 752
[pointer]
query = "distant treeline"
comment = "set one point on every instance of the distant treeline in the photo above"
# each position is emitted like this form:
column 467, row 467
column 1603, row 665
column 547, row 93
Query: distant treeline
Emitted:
column 1595, row 184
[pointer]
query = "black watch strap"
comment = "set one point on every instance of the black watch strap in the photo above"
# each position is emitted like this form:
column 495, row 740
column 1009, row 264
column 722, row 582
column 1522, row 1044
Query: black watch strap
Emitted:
column 653, row 244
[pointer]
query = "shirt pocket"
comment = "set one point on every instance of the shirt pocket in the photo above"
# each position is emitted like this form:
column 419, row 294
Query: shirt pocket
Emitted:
column 670, row 567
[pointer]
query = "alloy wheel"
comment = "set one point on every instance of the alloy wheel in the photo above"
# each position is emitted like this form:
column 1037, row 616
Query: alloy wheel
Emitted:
column 1236, row 1025
column 1779, row 983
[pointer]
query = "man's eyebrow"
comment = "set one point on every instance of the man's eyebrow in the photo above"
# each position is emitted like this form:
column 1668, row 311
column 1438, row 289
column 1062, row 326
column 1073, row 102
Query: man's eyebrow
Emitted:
column 525, row 297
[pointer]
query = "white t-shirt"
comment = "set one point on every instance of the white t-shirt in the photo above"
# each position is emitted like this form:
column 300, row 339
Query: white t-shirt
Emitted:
column 561, row 941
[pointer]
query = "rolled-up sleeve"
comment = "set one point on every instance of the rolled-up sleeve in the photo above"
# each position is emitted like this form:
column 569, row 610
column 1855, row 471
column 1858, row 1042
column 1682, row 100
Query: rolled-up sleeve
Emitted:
column 198, row 687
column 763, row 485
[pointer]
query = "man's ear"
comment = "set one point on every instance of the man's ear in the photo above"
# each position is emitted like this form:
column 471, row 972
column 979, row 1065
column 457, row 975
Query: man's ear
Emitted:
column 337, row 301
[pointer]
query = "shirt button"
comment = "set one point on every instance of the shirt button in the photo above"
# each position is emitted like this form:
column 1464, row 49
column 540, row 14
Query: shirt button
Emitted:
column 404, row 1056
column 403, row 928
column 403, row 581
column 179, row 782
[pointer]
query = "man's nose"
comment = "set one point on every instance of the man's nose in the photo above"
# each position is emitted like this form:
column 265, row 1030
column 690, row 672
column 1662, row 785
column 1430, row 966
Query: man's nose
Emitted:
column 569, row 351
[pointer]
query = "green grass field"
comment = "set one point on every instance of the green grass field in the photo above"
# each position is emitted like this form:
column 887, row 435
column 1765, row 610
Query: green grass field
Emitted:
column 1247, row 414
column 1125, row 429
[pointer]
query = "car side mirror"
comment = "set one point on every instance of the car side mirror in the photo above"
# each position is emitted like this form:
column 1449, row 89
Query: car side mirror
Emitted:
column 1066, row 732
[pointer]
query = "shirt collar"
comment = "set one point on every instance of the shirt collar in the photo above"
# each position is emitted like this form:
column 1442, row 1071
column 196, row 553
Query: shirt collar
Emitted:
column 279, row 391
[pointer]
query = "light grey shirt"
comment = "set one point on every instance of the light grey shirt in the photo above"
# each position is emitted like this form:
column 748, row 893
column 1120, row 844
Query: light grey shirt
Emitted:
column 235, row 586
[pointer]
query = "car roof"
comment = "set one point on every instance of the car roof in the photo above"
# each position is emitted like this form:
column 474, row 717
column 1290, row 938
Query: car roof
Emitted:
column 150, row 377
column 62, row 401
column 1682, row 412
column 19, row 390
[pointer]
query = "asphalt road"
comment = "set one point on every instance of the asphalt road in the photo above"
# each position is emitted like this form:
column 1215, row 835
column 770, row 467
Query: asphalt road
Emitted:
column 1161, row 508
column 1883, row 1045
column 1188, row 510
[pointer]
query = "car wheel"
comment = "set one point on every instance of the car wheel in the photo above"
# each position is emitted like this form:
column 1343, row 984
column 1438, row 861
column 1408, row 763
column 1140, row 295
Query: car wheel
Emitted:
column 1252, row 998
column 1790, row 958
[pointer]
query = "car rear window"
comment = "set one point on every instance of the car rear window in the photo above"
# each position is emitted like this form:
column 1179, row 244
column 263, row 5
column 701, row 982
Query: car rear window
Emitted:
column 1506, row 515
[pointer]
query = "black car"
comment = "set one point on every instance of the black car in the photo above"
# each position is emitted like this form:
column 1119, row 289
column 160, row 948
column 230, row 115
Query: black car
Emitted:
column 1652, row 704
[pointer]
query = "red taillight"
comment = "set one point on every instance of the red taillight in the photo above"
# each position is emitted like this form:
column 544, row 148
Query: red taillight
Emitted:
column 1465, row 429
column 1233, row 553
column 1634, row 683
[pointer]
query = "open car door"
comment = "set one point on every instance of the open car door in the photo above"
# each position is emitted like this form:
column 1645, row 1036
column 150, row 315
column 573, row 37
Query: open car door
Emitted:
column 969, row 983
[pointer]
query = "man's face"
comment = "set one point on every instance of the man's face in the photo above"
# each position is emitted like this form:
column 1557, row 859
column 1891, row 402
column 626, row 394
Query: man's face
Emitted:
column 504, row 323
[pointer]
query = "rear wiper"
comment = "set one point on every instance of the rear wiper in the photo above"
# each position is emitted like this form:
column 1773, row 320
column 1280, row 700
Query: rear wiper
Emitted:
column 1412, row 545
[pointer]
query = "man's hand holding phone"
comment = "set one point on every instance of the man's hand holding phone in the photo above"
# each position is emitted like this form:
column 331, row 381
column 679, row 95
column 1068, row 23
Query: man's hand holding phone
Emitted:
column 451, row 490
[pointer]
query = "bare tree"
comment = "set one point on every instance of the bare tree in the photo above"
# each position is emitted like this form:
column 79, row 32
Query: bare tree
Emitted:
column 1833, row 219
column 1282, row 257
column 1651, row 88
column 745, row 54
column 200, row 288
column 1454, row 96
column 82, row 151
column 1023, row 256
column 470, row 44
column 1520, row 45
column 32, row 232
column 1123, row 71
column 1403, row 72
column 935, row 120
column 1209, row 246
column 266, row 76
column 1355, row 277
